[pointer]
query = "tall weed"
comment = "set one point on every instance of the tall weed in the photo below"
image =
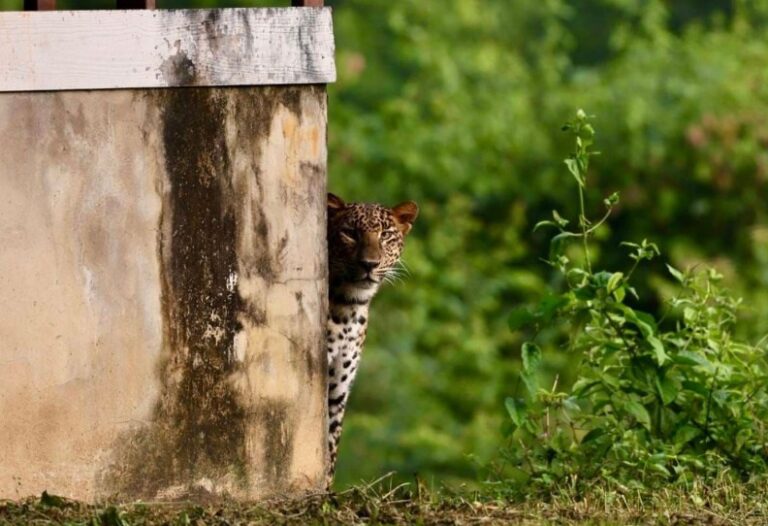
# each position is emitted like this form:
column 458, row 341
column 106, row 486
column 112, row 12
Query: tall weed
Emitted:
column 657, row 399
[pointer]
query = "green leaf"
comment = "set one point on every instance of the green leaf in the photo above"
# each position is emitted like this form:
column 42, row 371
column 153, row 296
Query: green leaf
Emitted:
column 531, row 354
column 585, row 292
column 742, row 437
column 516, row 412
column 642, row 320
column 518, row 475
column 647, row 319
column 676, row 273
column 577, row 273
column 111, row 517
column 611, row 199
column 667, row 389
column 658, row 349
column 685, row 434
column 558, row 219
column 543, row 223
column 571, row 405
column 610, row 380
column 692, row 358
column 520, row 317
column 557, row 241
column 619, row 294
column 639, row 412
column 531, row 383
column 573, row 167
column 550, row 305
column 696, row 387
column 582, row 386
column 686, row 358
column 593, row 435
column 614, row 281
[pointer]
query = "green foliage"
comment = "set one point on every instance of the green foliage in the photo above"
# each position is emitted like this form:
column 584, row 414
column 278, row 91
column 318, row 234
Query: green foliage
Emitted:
column 452, row 104
column 656, row 399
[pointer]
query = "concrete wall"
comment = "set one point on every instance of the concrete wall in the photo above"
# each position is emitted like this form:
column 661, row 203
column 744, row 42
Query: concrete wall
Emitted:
column 163, row 292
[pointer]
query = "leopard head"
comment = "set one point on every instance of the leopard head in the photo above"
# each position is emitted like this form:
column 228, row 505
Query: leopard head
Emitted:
column 365, row 241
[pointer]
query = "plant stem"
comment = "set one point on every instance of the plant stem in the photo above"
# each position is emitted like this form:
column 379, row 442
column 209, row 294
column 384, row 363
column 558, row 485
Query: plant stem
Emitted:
column 599, row 223
column 632, row 270
column 584, row 229
column 709, row 401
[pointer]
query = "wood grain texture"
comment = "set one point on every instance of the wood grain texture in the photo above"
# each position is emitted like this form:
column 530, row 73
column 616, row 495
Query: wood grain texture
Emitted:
column 70, row 50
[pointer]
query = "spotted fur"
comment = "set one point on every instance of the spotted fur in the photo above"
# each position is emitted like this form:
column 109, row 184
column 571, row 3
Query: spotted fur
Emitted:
column 365, row 241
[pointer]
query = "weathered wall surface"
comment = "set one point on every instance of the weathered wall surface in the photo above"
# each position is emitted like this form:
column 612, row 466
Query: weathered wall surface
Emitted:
column 162, row 290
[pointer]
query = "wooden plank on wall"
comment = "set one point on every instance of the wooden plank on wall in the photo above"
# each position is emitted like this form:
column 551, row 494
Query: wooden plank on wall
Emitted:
column 68, row 50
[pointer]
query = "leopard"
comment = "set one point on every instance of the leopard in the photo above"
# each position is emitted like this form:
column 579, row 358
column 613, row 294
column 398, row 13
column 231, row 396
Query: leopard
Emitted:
column 365, row 242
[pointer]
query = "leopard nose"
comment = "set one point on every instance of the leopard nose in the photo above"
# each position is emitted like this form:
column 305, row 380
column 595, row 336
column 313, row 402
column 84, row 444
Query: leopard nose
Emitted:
column 369, row 264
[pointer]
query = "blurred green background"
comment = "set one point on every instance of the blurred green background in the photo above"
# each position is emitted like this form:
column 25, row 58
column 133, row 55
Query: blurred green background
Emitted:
column 457, row 104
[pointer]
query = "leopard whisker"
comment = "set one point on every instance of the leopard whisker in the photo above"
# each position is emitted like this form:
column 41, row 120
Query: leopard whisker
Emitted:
column 391, row 277
column 394, row 278
column 395, row 271
column 388, row 278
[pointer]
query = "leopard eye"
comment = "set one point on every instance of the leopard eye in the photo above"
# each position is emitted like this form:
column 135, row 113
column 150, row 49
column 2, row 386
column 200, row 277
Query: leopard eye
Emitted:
column 387, row 235
column 349, row 235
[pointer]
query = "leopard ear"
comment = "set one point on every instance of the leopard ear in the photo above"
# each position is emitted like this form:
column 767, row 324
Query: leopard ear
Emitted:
column 335, row 203
column 405, row 214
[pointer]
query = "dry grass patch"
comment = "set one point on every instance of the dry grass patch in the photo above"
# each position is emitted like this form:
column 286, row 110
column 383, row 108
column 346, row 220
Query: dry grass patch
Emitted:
column 383, row 502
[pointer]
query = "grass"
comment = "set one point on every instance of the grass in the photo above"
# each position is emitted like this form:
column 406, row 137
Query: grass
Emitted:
column 721, row 503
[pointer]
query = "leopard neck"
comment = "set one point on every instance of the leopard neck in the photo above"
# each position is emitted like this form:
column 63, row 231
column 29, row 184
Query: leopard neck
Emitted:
column 346, row 295
column 343, row 312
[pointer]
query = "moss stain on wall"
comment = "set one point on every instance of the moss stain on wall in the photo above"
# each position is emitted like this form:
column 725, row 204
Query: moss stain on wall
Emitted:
column 206, row 418
column 201, row 422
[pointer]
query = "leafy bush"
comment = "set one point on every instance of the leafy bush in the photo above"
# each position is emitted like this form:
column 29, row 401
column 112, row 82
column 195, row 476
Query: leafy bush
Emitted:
column 456, row 112
column 656, row 399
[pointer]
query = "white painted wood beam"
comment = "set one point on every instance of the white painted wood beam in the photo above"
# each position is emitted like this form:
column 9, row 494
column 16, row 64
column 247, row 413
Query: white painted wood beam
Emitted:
column 72, row 50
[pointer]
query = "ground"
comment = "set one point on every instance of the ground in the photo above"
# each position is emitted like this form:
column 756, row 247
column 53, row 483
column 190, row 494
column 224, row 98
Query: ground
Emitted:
column 383, row 503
